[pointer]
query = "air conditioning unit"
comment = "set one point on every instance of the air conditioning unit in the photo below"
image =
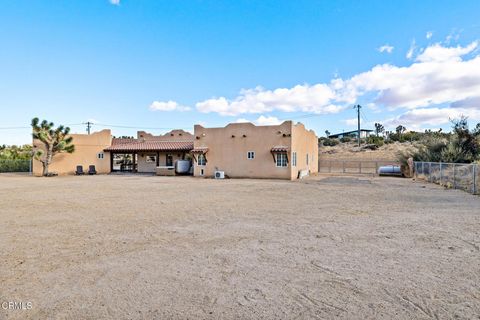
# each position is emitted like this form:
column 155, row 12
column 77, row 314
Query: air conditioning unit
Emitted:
column 219, row 175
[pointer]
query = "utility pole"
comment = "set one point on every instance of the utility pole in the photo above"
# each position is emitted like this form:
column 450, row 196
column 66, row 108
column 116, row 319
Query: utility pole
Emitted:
column 89, row 125
column 358, row 107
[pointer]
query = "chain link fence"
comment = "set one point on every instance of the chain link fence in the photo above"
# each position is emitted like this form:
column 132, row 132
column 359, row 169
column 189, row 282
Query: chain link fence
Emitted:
column 353, row 166
column 451, row 175
column 15, row 165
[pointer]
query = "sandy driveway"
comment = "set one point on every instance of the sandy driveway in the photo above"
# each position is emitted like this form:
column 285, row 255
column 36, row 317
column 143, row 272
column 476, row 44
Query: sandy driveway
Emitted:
column 136, row 247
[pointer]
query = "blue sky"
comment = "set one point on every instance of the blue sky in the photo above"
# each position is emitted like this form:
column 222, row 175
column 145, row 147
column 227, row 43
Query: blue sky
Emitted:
column 171, row 64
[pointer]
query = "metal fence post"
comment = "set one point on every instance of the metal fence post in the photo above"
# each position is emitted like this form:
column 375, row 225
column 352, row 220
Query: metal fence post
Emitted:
column 441, row 174
column 454, row 177
column 430, row 178
column 474, row 172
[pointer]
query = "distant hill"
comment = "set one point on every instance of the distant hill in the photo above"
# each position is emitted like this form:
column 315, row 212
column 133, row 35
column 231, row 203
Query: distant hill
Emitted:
column 350, row 151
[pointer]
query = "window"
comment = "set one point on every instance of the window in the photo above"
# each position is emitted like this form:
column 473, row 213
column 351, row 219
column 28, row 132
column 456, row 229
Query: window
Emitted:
column 202, row 161
column 100, row 155
column 294, row 159
column 251, row 155
column 307, row 159
column 281, row 159
column 151, row 158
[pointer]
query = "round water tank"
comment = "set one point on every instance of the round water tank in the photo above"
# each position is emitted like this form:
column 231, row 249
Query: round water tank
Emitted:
column 182, row 166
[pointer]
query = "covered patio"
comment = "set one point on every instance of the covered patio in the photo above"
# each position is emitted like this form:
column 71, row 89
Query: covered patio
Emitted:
column 140, row 156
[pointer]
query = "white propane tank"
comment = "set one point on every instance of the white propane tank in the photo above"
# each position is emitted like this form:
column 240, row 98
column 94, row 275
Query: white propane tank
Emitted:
column 182, row 166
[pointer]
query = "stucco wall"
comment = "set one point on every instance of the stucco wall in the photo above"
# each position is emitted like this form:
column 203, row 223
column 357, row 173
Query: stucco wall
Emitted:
column 145, row 167
column 86, row 149
column 229, row 154
column 304, row 142
column 174, row 135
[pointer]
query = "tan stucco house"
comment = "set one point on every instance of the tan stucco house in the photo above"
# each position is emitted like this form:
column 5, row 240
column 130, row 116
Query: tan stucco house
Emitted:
column 108, row 154
column 243, row 150
column 239, row 150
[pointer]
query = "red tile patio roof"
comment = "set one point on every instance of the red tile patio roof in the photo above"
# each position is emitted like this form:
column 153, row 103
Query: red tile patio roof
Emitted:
column 132, row 145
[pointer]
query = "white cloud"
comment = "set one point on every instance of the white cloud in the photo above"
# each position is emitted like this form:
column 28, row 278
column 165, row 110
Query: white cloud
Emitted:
column 352, row 121
column 386, row 48
column 267, row 121
column 440, row 78
column 429, row 34
column 429, row 82
column 168, row 106
column 115, row 2
column 411, row 50
column 262, row 121
column 437, row 52
column 418, row 118
column 306, row 98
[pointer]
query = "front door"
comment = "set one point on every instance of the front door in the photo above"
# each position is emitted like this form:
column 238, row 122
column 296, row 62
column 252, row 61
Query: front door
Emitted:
column 169, row 161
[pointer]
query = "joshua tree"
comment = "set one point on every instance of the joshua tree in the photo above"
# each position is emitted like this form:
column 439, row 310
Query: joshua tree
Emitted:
column 400, row 129
column 54, row 140
column 327, row 133
column 379, row 128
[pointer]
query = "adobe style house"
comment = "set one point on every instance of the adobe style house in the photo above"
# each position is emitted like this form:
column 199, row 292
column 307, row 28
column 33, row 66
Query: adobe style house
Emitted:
column 147, row 152
column 243, row 150
column 143, row 154
column 88, row 151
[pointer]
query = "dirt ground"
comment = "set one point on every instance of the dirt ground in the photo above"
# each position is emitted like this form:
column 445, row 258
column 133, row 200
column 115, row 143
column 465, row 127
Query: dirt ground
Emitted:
column 144, row 247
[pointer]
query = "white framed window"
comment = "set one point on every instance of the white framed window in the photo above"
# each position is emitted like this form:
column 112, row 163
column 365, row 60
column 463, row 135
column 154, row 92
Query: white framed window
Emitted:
column 281, row 160
column 294, row 159
column 151, row 158
column 251, row 155
column 100, row 155
column 201, row 161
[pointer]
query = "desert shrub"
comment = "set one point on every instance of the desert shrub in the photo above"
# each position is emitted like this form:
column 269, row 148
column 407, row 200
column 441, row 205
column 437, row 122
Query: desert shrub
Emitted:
column 345, row 139
column 14, row 165
column 460, row 146
column 330, row 142
column 378, row 141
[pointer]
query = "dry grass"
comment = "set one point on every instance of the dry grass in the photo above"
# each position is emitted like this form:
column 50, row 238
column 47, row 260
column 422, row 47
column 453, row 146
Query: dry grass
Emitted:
column 347, row 151
column 136, row 247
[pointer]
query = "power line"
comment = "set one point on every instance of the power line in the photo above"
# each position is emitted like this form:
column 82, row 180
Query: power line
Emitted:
column 133, row 127
column 14, row 128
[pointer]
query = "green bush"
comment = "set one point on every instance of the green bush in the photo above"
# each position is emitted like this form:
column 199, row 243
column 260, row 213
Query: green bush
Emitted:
column 330, row 142
column 378, row 141
column 345, row 139
column 14, row 165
